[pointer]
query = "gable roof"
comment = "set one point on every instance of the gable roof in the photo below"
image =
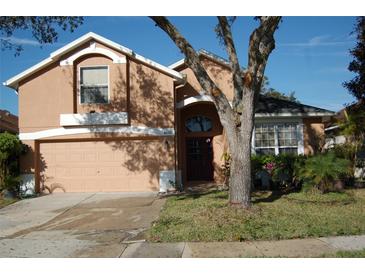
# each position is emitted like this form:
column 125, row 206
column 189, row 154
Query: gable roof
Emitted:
column 269, row 106
column 55, row 56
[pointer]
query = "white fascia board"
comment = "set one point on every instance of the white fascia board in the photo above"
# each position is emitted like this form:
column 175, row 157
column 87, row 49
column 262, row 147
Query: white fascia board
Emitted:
column 308, row 114
column 73, row 131
column 85, row 119
column 176, row 64
column 13, row 82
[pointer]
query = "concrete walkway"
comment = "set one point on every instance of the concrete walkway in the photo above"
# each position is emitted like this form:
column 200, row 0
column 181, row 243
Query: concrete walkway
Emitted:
column 297, row 248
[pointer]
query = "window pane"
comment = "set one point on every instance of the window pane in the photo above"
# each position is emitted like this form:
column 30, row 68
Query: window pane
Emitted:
column 94, row 76
column 198, row 124
column 287, row 135
column 264, row 136
column 94, row 85
column 288, row 150
column 265, row 151
column 90, row 95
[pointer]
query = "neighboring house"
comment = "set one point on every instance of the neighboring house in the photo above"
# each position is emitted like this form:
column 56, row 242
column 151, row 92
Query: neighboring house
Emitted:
column 8, row 122
column 334, row 136
column 99, row 117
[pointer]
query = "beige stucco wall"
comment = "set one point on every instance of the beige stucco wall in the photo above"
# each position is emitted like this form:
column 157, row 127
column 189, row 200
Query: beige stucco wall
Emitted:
column 55, row 90
column 144, row 92
column 218, row 72
column 313, row 135
column 151, row 97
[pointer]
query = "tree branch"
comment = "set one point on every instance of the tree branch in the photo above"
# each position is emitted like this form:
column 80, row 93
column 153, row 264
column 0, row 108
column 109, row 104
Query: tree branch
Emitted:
column 262, row 43
column 225, row 31
column 193, row 61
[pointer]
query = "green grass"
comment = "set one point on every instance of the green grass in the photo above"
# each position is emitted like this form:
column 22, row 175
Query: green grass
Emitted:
column 347, row 254
column 297, row 215
column 5, row 202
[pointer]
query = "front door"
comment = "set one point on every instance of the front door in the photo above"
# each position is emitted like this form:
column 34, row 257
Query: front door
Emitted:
column 199, row 159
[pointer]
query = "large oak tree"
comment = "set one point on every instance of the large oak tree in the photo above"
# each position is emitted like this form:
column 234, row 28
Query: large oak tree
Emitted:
column 237, row 118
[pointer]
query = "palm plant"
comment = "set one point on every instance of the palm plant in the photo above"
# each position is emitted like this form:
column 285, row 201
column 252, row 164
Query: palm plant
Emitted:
column 323, row 170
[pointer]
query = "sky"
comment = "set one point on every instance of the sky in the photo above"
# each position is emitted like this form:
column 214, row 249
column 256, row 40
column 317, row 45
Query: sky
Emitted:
column 311, row 55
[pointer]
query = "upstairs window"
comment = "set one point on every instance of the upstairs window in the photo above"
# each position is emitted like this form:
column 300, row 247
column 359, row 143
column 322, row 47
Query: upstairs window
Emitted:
column 198, row 124
column 276, row 139
column 94, row 87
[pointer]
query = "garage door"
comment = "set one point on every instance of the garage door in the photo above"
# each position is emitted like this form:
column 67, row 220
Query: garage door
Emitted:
column 99, row 166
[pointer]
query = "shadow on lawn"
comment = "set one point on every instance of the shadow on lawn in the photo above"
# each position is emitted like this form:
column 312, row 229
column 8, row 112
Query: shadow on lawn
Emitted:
column 257, row 196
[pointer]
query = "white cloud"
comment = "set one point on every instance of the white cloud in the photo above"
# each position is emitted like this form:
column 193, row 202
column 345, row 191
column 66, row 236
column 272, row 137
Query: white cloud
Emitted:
column 321, row 40
column 21, row 41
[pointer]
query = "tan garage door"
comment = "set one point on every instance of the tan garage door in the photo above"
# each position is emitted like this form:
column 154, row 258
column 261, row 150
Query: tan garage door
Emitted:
column 100, row 166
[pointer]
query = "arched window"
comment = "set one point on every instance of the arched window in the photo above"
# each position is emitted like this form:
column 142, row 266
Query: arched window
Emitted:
column 198, row 124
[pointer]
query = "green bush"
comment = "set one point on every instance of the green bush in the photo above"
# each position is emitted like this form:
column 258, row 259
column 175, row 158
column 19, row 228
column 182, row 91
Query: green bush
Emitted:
column 321, row 171
column 10, row 150
column 281, row 168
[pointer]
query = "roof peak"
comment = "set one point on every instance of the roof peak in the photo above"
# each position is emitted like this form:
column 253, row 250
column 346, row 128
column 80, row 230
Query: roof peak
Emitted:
column 54, row 56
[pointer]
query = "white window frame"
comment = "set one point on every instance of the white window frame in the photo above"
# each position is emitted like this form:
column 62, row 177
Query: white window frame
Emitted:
column 79, row 83
column 276, row 123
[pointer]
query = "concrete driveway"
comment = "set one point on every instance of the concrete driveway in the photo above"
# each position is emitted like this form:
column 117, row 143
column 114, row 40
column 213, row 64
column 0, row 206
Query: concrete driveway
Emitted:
column 76, row 224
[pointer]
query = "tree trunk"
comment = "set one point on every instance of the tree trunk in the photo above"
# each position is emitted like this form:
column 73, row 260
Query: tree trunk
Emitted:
column 237, row 121
column 240, row 178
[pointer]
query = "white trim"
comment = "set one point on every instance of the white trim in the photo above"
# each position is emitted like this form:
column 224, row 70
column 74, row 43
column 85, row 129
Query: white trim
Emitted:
column 54, row 56
column 300, row 132
column 78, row 80
column 194, row 99
column 92, row 50
column 330, row 128
column 13, row 82
column 176, row 64
column 105, row 118
column 288, row 114
column 72, row 131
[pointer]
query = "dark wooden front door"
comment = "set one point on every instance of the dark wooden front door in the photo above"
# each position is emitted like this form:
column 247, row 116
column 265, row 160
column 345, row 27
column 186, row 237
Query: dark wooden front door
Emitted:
column 199, row 159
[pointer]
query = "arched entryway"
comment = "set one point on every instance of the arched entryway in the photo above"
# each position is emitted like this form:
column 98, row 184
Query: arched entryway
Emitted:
column 201, row 143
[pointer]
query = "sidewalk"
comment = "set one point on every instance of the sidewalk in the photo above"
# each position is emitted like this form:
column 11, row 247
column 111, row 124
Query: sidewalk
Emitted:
column 297, row 248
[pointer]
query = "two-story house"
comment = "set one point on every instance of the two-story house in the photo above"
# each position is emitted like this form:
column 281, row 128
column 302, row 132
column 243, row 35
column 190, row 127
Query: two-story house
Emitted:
column 99, row 117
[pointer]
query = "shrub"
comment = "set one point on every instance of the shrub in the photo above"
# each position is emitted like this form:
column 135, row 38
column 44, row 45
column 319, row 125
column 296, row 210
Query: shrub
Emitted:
column 281, row 168
column 10, row 149
column 321, row 171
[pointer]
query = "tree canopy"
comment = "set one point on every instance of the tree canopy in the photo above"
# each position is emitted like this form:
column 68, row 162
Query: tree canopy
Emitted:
column 356, row 86
column 43, row 29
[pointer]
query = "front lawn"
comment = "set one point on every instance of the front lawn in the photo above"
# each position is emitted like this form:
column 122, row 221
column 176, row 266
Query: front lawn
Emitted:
column 207, row 217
